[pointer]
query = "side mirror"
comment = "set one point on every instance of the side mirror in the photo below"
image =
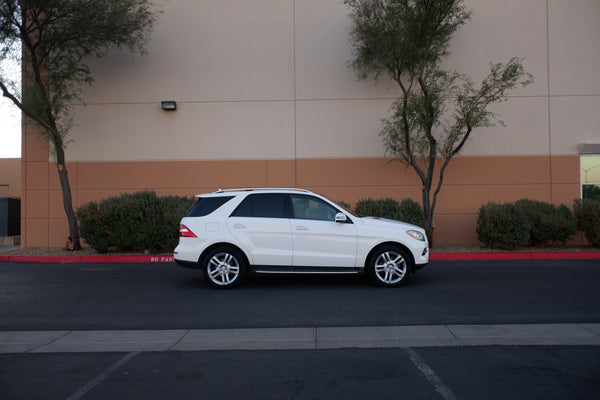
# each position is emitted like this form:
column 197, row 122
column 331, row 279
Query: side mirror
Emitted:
column 341, row 218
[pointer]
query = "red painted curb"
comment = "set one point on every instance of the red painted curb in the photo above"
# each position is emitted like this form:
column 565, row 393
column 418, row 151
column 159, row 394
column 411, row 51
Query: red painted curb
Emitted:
column 89, row 259
column 592, row 255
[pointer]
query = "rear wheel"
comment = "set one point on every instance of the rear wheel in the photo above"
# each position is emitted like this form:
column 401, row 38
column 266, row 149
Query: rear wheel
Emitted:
column 224, row 267
column 389, row 266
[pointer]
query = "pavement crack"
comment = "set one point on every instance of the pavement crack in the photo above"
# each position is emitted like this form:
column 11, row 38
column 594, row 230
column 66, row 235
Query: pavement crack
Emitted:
column 456, row 337
column 179, row 341
column 56, row 339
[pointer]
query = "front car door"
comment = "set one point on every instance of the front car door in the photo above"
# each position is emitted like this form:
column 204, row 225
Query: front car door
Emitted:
column 319, row 241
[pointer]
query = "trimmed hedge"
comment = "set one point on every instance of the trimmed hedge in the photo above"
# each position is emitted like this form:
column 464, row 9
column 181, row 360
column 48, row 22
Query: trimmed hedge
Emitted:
column 382, row 208
column 407, row 210
column 525, row 222
column 549, row 223
column 502, row 226
column 133, row 221
column 587, row 215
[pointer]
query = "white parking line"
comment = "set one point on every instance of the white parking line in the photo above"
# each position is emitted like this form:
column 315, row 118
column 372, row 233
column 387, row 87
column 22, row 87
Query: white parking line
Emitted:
column 97, row 380
column 431, row 376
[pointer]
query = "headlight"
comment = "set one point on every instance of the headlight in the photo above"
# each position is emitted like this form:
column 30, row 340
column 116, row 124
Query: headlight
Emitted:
column 416, row 235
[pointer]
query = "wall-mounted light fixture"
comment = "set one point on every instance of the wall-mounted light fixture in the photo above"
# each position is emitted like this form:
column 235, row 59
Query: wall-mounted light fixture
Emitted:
column 169, row 105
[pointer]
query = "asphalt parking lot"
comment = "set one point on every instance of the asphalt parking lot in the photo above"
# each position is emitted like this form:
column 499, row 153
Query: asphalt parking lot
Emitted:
column 458, row 330
column 164, row 296
column 490, row 372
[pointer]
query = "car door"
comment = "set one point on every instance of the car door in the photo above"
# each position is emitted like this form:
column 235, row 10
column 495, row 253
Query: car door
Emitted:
column 261, row 223
column 318, row 240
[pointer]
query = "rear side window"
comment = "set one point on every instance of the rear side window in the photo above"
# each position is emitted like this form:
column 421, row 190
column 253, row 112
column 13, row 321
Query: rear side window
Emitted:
column 268, row 205
column 206, row 205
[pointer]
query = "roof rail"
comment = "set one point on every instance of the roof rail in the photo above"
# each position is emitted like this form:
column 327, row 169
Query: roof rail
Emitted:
column 259, row 189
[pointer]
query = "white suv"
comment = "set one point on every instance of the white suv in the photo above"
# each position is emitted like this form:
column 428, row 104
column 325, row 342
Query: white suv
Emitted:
column 230, row 233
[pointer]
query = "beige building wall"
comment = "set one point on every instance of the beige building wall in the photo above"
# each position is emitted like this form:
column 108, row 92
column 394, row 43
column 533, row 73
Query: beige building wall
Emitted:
column 265, row 98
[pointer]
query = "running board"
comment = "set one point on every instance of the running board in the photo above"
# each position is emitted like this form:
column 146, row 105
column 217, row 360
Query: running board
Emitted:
column 267, row 269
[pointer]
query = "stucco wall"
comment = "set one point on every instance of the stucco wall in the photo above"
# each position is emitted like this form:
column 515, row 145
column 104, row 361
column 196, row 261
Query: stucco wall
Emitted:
column 10, row 177
column 265, row 98
column 269, row 79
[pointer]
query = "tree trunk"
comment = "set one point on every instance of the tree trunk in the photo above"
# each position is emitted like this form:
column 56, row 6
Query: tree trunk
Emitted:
column 67, row 202
column 428, row 211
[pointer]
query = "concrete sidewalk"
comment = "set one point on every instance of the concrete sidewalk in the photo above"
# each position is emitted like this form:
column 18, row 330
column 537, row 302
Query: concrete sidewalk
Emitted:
column 299, row 338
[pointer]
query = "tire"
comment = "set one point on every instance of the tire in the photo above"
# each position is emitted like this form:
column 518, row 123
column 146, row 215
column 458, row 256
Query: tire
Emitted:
column 389, row 266
column 224, row 267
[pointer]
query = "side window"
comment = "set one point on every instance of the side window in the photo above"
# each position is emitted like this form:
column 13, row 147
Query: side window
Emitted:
column 308, row 207
column 267, row 205
column 590, row 177
column 206, row 205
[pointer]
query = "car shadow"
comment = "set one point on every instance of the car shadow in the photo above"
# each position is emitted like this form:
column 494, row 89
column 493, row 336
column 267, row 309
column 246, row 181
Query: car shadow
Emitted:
column 314, row 281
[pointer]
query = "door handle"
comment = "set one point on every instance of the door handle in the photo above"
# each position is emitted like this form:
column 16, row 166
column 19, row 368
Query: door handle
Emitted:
column 301, row 228
column 239, row 226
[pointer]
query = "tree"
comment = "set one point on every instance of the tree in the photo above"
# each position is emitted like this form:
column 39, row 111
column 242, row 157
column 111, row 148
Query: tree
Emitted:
column 58, row 38
column 407, row 41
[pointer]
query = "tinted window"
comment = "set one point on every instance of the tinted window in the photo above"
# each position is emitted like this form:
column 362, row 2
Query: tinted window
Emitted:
column 590, row 177
column 244, row 209
column 308, row 207
column 206, row 205
column 268, row 205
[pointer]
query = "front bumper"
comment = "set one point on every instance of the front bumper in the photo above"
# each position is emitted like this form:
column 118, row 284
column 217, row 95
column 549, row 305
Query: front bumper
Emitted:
column 419, row 266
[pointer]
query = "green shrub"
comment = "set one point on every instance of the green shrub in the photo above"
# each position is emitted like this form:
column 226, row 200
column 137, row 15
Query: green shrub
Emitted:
column 502, row 226
column 412, row 212
column 548, row 222
column 382, row 208
column 344, row 205
column 407, row 210
column 173, row 209
column 587, row 215
column 92, row 226
column 139, row 220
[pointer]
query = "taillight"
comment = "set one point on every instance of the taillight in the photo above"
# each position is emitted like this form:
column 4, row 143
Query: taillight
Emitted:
column 185, row 232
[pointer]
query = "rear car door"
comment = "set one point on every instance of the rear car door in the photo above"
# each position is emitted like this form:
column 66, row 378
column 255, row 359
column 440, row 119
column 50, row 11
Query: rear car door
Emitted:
column 262, row 224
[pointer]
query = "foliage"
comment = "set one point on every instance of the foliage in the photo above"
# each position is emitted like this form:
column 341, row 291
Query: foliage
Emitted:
column 502, row 226
column 139, row 220
column 344, row 205
column 407, row 41
column 58, row 38
column 549, row 223
column 407, row 210
column 587, row 215
column 383, row 208
column 412, row 212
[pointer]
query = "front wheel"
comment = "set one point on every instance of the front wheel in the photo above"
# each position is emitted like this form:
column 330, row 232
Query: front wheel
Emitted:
column 389, row 266
column 224, row 267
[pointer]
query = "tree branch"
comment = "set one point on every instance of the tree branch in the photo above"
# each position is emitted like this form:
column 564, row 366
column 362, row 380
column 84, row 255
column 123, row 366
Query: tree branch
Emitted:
column 6, row 93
